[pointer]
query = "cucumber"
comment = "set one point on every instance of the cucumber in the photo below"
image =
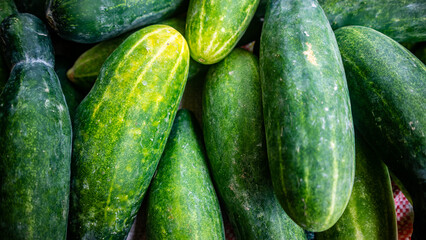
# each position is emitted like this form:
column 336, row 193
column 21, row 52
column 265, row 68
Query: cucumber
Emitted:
column 402, row 20
column 388, row 94
column 35, row 136
column 370, row 213
column 91, row 21
column 308, row 122
column 121, row 129
column 87, row 67
column 235, row 143
column 213, row 28
column 72, row 95
column 182, row 202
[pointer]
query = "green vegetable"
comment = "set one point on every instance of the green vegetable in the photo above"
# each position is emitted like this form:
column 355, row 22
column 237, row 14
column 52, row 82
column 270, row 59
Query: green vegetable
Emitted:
column 370, row 213
column 402, row 20
column 308, row 122
column 35, row 136
column 213, row 28
column 121, row 129
column 182, row 202
column 388, row 96
column 90, row 21
column 235, row 143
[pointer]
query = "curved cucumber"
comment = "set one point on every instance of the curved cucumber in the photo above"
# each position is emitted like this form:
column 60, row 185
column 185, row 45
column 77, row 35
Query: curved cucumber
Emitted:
column 402, row 20
column 182, row 202
column 213, row 28
column 388, row 94
column 308, row 122
column 370, row 213
column 35, row 138
column 235, row 143
column 90, row 21
column 121, row 129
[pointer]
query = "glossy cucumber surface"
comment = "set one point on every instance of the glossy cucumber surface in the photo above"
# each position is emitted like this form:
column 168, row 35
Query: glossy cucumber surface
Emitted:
column 308, row 121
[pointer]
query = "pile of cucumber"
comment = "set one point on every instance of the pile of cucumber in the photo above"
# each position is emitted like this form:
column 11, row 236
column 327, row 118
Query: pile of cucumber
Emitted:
column 115, row 109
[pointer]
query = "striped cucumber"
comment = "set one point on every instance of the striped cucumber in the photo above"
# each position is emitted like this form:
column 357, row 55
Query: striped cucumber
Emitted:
column 388, row 94
column 213, row 28
column 370, row 213
column 182, row 202
column 308, row 122
column 235, row 143
column 121, row 129
column 35, row 136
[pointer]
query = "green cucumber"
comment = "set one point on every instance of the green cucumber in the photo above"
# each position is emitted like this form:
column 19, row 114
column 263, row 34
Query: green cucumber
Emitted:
column 72, row 95
column 35, row 137
column 90, row 21
column 182, row 202
column 308, row 122
column 402, row 20
column 235, row 143
column 370, row 213
column 213, row 28
column 121, row 129
column 87, row 67
column 388, row 95
column 7, row 8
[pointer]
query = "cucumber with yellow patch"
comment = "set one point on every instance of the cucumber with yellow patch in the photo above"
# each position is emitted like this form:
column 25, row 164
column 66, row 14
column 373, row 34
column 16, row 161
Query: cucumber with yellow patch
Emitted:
column 121, row 129
column 307, row 112
column 213, row 28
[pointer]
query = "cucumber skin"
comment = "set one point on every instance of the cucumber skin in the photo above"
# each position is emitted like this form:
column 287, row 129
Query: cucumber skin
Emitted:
column 370, row 213
column 87, row 67
column 213, row 28
column 121, row 129
column 24, row 31
column 402, row 20
column 34, row 173
column 182, row 202
column 91, row 21
column 32, row 169
column 305, row 94
column 388, row 95
column 235, row 143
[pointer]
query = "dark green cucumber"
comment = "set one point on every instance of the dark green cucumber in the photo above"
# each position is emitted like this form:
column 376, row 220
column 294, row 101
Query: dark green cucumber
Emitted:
column 72, row 95
column 35, row 137
column 402, row 20
column 308, row 122
column 388, row 95
column 182, row 202
column 36, row 7
column 87, row 67
column 90, row 21
column 235, row 144
column 370, row 213
column 121, row 129
column 213, row 28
